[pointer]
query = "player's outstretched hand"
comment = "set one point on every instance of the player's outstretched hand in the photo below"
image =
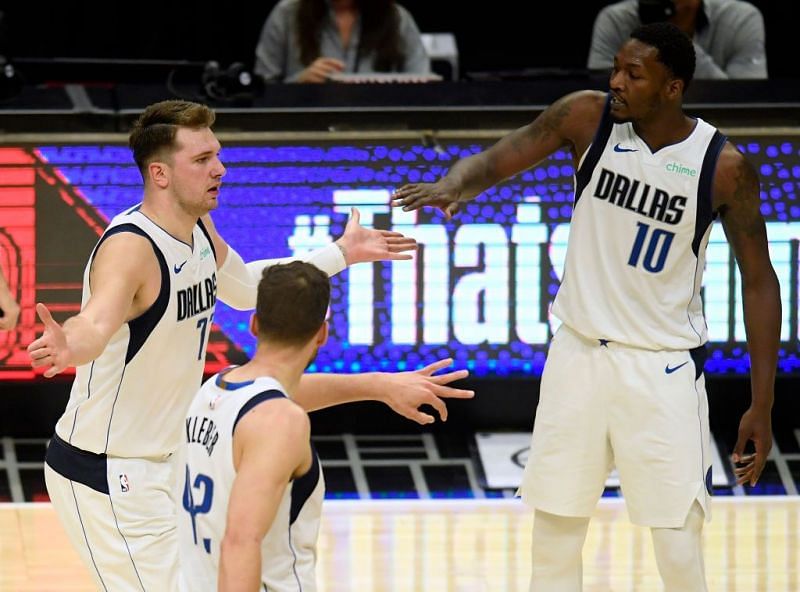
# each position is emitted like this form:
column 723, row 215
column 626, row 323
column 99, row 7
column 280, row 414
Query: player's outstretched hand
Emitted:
column 9, row 313
column 416, row 195
column 755, row 425
column 406, row 392
column 50, row 350
column 362, row 245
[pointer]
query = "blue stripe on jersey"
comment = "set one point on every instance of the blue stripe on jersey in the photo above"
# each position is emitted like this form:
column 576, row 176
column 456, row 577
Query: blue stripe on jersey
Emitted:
column 143, row 325
column 82, row 466
column 208, row 238
column 255, row 400
column 304, row 486
column 699, row 356
column 704, row 213
column 584, row 173
column 230, row 386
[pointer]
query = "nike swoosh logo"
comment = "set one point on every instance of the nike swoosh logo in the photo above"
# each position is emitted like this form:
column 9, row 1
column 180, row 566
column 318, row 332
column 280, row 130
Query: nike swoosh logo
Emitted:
column 619, row 148
column 179, row 267
column 669, row 370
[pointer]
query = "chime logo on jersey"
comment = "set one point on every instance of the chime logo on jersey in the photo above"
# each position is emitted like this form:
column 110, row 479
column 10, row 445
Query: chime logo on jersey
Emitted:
column 639, row 197
column 197, row 298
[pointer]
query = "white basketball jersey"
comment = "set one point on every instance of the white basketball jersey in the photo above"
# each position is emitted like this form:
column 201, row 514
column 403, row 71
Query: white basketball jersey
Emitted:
column 637, row 239
column 288, row 551
column 131, row 400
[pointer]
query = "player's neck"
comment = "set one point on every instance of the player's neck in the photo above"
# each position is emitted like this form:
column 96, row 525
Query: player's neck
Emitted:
column 169, row 216
column 665, row 130
column 286, row 365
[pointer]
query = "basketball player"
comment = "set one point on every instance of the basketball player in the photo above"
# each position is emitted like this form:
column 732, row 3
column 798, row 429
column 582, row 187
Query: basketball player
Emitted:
column 623, row 383
column 237, row 421
column 9, row 309
column 139, row 346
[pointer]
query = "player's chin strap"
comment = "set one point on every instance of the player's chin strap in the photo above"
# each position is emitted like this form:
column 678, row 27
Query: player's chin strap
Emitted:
column 237, row 281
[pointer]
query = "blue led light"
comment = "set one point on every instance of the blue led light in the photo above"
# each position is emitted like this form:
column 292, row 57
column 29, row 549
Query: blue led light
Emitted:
column 268, row 189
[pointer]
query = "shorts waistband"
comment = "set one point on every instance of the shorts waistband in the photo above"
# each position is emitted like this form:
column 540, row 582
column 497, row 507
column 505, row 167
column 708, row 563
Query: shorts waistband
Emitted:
column 696, row 352
column 75, row 464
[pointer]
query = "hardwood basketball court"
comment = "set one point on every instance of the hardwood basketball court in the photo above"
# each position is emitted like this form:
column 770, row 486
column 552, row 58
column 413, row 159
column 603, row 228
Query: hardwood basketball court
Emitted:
column 751, row 545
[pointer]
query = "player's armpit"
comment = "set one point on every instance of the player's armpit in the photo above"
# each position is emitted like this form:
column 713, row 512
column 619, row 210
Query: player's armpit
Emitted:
column 125, row 279
column 261, row 479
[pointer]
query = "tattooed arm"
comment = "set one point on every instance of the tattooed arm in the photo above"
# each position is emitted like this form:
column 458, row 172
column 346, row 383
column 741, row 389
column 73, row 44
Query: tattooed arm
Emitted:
column 570, row 121
column 737, row 198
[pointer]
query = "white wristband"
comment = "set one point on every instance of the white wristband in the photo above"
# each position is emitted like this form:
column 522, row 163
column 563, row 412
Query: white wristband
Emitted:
column 237, row 282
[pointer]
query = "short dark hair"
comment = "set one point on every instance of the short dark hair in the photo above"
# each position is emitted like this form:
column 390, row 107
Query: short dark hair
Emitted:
column 153, row 133
column 675, row 49
column 292, row 302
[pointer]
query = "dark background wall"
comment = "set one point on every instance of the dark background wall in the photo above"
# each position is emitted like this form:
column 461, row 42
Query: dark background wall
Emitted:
column 499, row 35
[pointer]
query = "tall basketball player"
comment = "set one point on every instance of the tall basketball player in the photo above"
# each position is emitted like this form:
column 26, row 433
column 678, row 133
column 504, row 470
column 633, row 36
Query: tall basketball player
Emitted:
column 623, row 382
column 139, row 345
column 249, row 517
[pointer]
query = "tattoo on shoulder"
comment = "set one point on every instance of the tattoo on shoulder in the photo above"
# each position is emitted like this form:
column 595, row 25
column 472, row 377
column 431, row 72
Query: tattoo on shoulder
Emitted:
column 744, row 213
column 550, row 120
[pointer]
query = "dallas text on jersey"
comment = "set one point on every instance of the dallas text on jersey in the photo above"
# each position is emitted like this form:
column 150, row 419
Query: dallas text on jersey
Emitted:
column 197, row 299
column 640, row 198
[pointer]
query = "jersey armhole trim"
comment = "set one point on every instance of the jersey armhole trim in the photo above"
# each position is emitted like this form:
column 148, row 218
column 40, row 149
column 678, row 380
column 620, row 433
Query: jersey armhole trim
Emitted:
column 584, row 173
column 705, row 185
column 208, row 238
column 141, row 327
column 256, row 400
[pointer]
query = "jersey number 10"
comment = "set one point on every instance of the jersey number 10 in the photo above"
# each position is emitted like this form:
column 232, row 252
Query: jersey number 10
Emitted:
column 658, row 243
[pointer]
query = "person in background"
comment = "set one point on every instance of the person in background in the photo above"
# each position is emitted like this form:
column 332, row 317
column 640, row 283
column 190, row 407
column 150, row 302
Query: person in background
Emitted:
column 9, row 309
column 309, row 40
column 728, row 35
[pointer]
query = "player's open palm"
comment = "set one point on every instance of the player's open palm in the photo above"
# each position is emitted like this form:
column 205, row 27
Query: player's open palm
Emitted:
column 50, row 350
column 416, row 195
column 408, row 391
column 363, row 245
column 756, row 426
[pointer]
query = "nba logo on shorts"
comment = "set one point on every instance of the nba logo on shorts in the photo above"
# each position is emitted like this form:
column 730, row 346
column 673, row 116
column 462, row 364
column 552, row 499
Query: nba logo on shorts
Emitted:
column 124, row 486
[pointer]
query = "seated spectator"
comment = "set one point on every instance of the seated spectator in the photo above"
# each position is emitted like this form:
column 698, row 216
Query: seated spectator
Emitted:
column 308, row 40
column 728, row 35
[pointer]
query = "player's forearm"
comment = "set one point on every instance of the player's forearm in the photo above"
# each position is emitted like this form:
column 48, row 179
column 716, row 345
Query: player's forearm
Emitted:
column 473, row 175
column 240, row 565
column 762, row 318
column 318, row 391
column 237, row 284
column 85, row 341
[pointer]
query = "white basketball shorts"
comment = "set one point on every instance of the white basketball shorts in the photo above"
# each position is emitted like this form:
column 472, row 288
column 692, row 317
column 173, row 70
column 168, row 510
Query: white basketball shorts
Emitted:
column 603, row 404
column 119, row 513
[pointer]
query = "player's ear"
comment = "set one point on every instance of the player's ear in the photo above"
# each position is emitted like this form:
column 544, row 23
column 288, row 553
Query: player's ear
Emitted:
column 675, row 88
column 254, row 325
column 157, row 171
column 322, row 335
